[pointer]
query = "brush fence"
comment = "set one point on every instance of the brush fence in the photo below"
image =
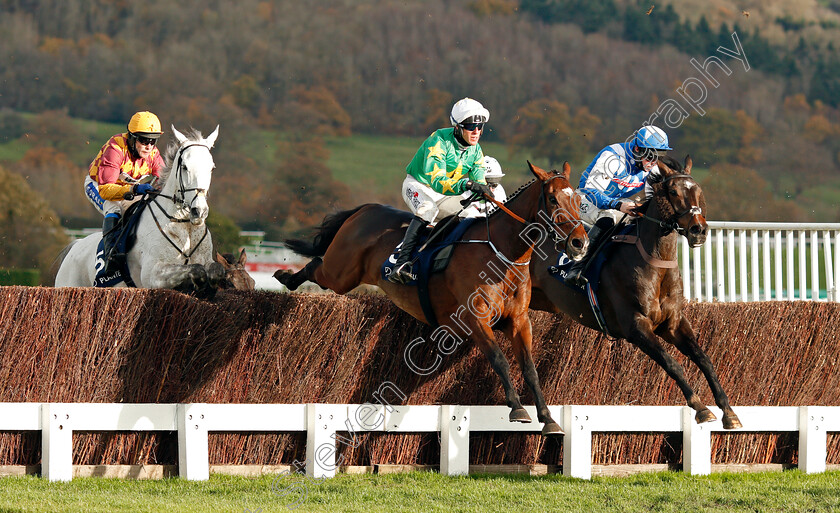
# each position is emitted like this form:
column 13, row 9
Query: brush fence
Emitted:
column 327, row 425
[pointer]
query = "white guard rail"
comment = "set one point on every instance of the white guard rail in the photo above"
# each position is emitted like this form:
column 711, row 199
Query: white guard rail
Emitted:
column 327, row 425
column 775, row 261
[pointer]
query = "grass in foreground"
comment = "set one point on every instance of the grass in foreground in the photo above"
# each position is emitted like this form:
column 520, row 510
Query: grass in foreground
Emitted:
column 425, row 491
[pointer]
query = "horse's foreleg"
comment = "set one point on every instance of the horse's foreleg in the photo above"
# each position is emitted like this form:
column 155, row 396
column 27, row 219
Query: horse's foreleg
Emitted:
column 294, row 280
column 483, row 337
column 684, row 339
column 641, row 335
column 189, row 279
column 519, row 332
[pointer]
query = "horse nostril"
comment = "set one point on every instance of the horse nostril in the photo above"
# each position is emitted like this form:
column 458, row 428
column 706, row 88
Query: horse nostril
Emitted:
column 696, row 229
column 577, row 243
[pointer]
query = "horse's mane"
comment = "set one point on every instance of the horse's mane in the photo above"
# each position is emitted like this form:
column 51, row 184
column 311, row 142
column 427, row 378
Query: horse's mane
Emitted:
column 512, row 195
column 660, row 195
column 192, row 135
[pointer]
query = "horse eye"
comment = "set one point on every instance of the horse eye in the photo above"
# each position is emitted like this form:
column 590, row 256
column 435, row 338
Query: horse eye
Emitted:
column 552, row 200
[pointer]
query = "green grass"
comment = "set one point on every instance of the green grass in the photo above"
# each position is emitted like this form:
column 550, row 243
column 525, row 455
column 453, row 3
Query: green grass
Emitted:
column 427, row 491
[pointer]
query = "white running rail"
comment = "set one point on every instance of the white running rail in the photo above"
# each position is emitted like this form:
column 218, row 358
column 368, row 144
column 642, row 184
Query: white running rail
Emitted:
column 763, row 262
column 327, row 425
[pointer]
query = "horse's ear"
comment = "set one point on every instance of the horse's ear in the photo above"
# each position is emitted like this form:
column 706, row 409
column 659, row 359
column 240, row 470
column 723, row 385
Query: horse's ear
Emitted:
column 538, row 172
column 178, row 135
column 567, row 170
column 212, row 137
column 688, row 164
column 242, row 256
column 220, row 259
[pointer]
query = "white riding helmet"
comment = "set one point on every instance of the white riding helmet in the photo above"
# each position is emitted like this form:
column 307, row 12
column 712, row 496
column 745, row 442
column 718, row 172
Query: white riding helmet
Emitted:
column 468, row 111
column 492, row 170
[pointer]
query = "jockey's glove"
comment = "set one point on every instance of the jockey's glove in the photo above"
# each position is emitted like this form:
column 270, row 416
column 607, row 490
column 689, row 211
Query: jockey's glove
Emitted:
column 142, row 188
column 480, row 188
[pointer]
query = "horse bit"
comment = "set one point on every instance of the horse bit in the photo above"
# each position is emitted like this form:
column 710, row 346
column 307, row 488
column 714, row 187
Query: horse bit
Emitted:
column 554, row 225
column 673, row 224
column 180, row 201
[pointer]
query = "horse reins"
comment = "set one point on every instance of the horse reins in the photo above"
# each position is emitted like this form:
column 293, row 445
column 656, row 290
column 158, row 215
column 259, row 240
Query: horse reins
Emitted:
column 182, row 192
column 665, row 225
column 556, row 235
column 672, row 225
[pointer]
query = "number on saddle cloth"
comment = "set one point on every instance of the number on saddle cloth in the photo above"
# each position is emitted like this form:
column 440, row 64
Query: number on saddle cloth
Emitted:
column 436, row 256
column 127, row 228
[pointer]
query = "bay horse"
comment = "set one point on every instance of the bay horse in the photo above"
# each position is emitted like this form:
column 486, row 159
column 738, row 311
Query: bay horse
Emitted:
column 487, row 279
column 173, row 248
column 236, row 276
column 640, row 290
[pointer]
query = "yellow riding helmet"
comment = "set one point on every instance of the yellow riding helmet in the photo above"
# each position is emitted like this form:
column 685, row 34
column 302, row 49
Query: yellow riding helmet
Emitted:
column 145, row 124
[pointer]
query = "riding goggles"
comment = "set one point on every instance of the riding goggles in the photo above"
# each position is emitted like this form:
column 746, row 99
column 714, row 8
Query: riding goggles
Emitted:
column 469, row 127
column 146, row 141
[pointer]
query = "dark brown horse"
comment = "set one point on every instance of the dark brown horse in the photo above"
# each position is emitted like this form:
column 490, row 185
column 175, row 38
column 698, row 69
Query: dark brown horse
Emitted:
column 640, row 292
column 236, row 276
column 485, row 286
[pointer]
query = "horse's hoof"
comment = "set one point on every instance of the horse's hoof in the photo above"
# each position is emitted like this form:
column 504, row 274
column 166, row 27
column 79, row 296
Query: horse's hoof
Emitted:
column 520, row 415
column 216, row 274
column 731, row 421
column 285, row 278
column 705, row 415
column 551, row 428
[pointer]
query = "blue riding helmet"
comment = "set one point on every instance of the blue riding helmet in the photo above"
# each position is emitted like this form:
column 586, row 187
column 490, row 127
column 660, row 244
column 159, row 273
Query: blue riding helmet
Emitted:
column 652, row 137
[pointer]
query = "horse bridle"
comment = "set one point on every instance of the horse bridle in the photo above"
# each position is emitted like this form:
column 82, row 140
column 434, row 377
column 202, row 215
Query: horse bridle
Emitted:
column 673, row 223
column 556, row 235
column 180, row 201
column 554, row 225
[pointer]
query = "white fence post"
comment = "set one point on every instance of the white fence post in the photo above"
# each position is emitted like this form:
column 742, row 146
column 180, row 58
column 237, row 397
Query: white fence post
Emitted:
column 454, row 440
column 56, row 442
column 812, row 439
column 193, row 450
column 321, row 422
column 697, row 445
column 577, row 443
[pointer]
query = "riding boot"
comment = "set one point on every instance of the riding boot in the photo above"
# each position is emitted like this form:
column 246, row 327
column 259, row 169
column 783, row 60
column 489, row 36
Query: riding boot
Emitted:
column 402, row 269
column 113, row 259
column 575, row 274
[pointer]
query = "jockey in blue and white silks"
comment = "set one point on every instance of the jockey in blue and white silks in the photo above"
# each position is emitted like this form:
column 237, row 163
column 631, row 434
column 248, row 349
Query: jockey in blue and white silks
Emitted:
column 612, row 182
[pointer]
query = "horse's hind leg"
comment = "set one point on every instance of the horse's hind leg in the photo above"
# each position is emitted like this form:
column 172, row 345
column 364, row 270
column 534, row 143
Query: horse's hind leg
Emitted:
column 641, row 335
column 519, row 332
column 684, row 339
column 294, row 280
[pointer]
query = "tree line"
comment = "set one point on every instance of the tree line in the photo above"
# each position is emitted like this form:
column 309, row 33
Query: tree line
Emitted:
column 557, row 86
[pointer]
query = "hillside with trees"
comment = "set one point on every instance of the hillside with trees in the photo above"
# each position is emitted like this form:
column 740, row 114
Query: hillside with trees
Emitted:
column 562, row 78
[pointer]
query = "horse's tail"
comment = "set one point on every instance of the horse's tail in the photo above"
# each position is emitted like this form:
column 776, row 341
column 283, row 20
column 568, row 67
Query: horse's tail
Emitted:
column 49, row 279
column 324, row 234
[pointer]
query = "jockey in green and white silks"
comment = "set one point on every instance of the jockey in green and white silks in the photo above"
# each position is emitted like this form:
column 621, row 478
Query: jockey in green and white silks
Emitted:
column 611, row 184
column 449, row 163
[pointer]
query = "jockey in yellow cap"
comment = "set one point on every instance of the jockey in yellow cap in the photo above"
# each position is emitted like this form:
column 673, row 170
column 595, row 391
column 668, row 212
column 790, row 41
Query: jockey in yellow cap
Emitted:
column 125, row 164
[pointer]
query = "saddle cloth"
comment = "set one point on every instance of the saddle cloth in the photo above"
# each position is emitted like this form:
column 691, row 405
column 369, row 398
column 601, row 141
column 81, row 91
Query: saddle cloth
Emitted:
column 593, row 271
column 432, row 259
column 435, row 257
column 592, row 274
column 127, row 236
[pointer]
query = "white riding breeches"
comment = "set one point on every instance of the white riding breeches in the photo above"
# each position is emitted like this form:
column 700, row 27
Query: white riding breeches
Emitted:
column 104, row 206
column 427, row 204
